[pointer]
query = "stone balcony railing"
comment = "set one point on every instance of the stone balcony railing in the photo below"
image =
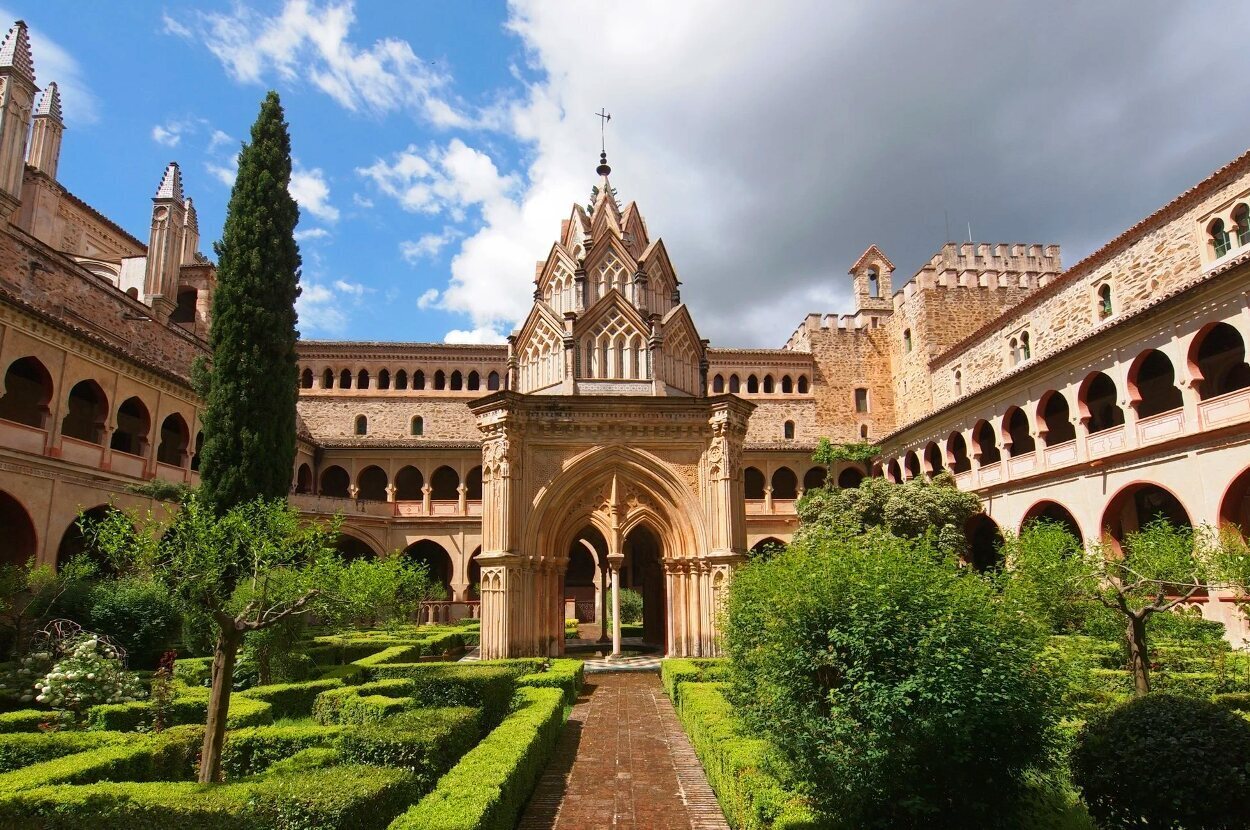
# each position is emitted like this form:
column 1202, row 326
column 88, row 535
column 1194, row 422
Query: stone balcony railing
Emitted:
column 437, row 508
column 98, row 457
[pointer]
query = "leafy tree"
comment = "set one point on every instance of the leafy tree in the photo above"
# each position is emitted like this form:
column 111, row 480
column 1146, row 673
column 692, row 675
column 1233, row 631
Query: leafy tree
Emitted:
column 911, row 510
column 140, row 614
column 1049, row 576
column 381, row 591
column 1232, row 563
column 251, row 387
column 247, row 570
column 899, row 690
column 29, row 592
column 1158, row 568
column 829, row 453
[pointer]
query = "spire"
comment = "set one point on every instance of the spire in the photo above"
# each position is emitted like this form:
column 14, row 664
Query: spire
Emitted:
column 50, row 102
column 15, row 51
column 171, row 183
column 603, row 169
column 193, row 219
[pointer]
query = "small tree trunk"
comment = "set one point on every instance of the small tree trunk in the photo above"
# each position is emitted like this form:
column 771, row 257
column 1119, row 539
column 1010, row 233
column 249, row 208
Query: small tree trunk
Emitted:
column 264, row 666
column 228, row 642
column 1138, row 654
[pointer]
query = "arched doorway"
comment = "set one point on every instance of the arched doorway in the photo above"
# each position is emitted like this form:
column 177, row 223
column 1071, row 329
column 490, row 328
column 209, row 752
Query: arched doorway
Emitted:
column 581, row 576
column 644, row 572
column 985, row 543
column 1140, row 504
column 475, row 575
column 1235, row 506
column 436, row 559
column 1053, row 511
column 17, row 530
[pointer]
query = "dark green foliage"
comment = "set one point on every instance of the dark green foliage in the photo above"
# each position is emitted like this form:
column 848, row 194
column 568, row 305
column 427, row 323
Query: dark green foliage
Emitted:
column 489, row 786
column 189, row 706
column 24, row 720
column 631, row 606
column 164, row 757
column 291, row 700
column 895, row 685
column 249, row 751
column 739, row 767
column 250, row 390
column 20, row 749
column 829, row 453
column 329, row 705
column 677, row 670
column 1149, row 764
column 447, row 684
column 935, row 509
column 162, row 490
column 141, row 615
column 426, row 742
column 194, row 671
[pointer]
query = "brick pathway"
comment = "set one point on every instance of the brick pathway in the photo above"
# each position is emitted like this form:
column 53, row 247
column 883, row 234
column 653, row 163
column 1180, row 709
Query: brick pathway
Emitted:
column 623, row 761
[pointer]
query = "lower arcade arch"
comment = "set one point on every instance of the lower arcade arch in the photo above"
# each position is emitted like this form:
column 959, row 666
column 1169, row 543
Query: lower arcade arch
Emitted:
column 437, row 561
column 1137, row 505
column 985, row 543
column 76, row 541
column 1053, row 511
column 1235, row 505
column 18, row 531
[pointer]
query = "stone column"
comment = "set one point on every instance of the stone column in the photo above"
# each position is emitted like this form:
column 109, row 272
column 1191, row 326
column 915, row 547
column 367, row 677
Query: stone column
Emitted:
column 614, row 562
column 603, row 604
column 426, row 490
column 462, row 499
column 390, row 492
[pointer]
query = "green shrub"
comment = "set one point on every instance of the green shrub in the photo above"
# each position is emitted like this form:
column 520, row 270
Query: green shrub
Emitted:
column 315, row 757
column 567, row 675
column 248, row 751
column 189, row 707
column 24, row 720
column 372, row 709
column 896, row 686
column 328, row 706
column 20, row 749
column 140, row 615
column 738, row 767
column 487, row 688
column 194, row 671
column 1237, row 701
column 291, row 700
column 426, row 742
column 677, row 670
column 488, row 788
column 164, row 757
column 1145, row 764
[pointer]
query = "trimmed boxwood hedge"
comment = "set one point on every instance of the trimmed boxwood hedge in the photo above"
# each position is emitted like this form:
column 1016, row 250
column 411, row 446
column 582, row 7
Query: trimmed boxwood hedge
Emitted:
column 426, row 742
column 328, row 706
column 249, row 751
column 166, row 756
column 737, row 767
column 489, row 786
column 677, row 670
column 21, row 749
column 289, row 700
column 188, row 707
column 24, row 720
column 455, row 684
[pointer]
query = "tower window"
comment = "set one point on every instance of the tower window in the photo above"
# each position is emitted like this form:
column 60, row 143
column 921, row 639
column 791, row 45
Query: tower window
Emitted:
column 1220, row 239
column 788, row 430
column 1026, row 350
column 1104, row 301
column 907, row 340
column 362, row 425
column 863, row 430
column 1241, row 216
column 959, row 382
column 874, row 284
column 418, row 425
column 861, row 400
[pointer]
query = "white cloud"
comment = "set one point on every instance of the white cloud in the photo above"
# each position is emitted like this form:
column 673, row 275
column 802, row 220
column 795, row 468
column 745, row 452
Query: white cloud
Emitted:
column 481, row 335
column 173, row 27
column 355, row 289
column 167, row 134
column 427, row 299
column 55, row 63
column 311, row 42
column 427, row 246
column 218, row 139
column 362, row 201
column 310, row 190
column 441, row 180
column 223, row 173
column 310, row 234
column 320, row 310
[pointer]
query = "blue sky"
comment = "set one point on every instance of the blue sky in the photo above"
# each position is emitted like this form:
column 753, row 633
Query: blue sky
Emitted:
column 438, row 145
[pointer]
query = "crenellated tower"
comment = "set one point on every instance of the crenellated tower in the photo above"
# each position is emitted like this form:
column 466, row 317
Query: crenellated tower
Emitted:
column 17, row 98
column 608, row 316
column 872, row 278
column 46, row 132
column 165, row 243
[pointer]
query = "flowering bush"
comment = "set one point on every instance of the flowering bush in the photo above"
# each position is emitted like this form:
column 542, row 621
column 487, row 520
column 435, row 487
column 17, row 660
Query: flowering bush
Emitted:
column 89, row 673
column 17, row 683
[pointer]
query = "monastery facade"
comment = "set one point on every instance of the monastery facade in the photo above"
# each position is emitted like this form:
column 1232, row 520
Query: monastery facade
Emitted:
column 607, row 444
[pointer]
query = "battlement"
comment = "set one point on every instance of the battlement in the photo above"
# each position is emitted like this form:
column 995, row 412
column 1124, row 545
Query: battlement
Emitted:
column 849, row 324
column 985, row 265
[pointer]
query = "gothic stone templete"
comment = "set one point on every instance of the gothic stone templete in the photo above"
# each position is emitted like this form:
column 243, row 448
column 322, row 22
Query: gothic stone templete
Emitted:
column 606, row 445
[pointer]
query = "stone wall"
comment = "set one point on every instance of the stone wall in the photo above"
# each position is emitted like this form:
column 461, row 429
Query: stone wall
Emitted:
column 445, row 417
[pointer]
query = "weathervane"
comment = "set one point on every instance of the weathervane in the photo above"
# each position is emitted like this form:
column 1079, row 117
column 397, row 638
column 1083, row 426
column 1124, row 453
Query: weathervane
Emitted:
column 605, row 117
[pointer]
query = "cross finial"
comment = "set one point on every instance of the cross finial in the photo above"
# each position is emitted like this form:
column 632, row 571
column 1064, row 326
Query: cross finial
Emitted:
column 605, row 117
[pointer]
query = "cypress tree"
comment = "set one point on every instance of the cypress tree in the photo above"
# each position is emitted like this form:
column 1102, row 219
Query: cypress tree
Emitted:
column 251, row 386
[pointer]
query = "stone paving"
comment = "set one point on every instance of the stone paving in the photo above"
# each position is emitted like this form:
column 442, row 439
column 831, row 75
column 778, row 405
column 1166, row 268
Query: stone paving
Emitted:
column 623, row 761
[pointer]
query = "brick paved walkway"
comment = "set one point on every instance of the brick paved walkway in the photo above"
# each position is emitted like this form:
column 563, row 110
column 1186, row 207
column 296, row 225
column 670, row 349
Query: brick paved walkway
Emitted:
column 623, row 761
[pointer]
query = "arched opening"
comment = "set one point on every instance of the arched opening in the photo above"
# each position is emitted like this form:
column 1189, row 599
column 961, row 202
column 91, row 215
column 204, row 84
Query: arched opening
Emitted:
column 473, row 484
column 175, row 438
column 785, row 484
column 850, row 477
column 802, row 384
column 1220, row 238
column 475, row 575
column 1217, row 360
column 1152, row 384
column 1105, row 308
column 906, row 340
column 418, row 380
column 753, row 483
column 768, row 385
column 199, row 448
column 1139, row 504
column 957, row 453
column 440, row 380
column 767, row 546
column 384, row 379
column 408, row 484
column 718, row 384
column 893, row 472
column 86, row 413
column 1241, row 222
column 473, row 382
column 184, row 310
column 1016, row 430
column 445, row 484
column 1052, row 511
column 787, row 430
column 27, row 393
column 787, row 385
column 1235, row 506
column 1098, row 403
column 362, row 425
column 753, row 385
column 306, row 379
column 644, row 566
column 933, row 463
column 327, row 379
column 1057, row 426
column 984, row 444
column 362, row 379
column 734, row 385
column 457, row 381
column 133, row 423
column 401, row 379
column 349, row 548
column 303, row 479
column 335, row 482
column 417, row 425
column 345, row 379
column 17, row 530
column 371, row 483
column 985, row 543
column 437, row 561
column 874, row 284
column 911, row 464
column 74, row 542
column 582, row 571
column 815, row 478
column 492, row 382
